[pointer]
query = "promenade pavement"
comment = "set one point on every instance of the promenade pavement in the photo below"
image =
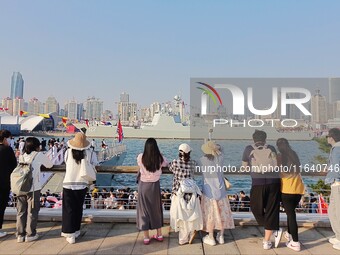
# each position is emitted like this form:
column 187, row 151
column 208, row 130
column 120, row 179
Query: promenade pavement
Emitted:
column 123, row 238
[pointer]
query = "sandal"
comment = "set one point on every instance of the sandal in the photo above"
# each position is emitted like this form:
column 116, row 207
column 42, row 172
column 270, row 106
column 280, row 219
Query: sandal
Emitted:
column 158, row 238
column 146, row 241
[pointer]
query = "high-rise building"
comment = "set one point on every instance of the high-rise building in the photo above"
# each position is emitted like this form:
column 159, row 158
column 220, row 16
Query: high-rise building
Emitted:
column 18, row 105
column 334, row 89
column 34, row 106
column 17, row 85
column 93, row 109
column 155, row 108
column 71, row 109
column 51, row 105
column 319, row 108
column 127, row 111
column 7, row 105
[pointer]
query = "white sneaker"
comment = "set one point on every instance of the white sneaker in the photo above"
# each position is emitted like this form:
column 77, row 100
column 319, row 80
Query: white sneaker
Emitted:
column 333, row 240
column 287, row 236
column 220, row 238
column 208, row 240
column 294, row 245
column 336, row 246
column 31, row 238
column 2, row 234
column 71, row 239
column 267, row 245
column 20, row 239
column 277, row 236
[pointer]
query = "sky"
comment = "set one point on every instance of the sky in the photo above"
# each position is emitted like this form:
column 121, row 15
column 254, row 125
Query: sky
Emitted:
column 150, row 49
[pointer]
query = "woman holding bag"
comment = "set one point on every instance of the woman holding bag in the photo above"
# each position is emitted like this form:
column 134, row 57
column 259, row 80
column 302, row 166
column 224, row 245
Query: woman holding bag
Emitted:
column 75, row 185
column 215, row 203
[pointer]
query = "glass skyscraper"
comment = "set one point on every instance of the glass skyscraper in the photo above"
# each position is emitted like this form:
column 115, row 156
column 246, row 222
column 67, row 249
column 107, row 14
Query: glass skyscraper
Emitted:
column 17, row 86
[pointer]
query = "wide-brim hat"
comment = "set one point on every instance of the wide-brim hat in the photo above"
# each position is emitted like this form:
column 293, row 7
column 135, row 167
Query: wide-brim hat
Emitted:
column 79, row 142
column 211, row 148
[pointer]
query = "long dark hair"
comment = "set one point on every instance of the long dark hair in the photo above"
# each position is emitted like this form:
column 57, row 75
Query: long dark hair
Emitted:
column 289, row 156
column 31, row 144
column 78, row 155
column 152, row 158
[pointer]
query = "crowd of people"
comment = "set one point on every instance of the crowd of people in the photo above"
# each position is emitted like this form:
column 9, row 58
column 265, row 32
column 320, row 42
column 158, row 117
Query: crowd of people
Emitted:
column 192, row 208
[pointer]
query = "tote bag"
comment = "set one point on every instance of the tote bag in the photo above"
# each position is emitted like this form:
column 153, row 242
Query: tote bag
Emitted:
column 87, row 170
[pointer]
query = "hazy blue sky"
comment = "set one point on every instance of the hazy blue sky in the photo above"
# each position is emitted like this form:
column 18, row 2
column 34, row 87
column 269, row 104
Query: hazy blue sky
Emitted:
column 150, row 49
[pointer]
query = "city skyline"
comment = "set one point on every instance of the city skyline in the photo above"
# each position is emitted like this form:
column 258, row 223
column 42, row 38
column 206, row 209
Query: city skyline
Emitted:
column 152, row 49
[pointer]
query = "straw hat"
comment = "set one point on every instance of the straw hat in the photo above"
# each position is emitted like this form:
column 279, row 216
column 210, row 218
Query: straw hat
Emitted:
column 79, row 142
column 184, row 147
column 211, row 148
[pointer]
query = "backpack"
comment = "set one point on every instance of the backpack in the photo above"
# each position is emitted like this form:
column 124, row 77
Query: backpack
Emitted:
column 262, row 159
column 22, row 177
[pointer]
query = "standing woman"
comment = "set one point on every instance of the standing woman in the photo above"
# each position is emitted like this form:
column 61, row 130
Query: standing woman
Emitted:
column 183, row 168
column 291, row 188
column 74, row 186
column 149, row 204
column 28, row 206
column 215, row 203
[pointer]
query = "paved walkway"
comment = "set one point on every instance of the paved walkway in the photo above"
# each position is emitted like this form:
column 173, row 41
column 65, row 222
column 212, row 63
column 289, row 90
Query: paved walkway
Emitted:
column 122, row 238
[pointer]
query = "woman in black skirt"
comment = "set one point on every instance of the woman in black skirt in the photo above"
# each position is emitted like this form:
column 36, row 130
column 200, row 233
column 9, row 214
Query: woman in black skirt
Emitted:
column 149, row 205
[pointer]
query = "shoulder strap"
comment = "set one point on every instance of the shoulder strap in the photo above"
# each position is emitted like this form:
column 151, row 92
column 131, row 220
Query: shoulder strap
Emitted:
column 33, row 157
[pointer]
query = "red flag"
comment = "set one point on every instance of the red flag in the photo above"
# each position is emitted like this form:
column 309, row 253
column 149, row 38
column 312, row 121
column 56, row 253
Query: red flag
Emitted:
column 87, row 122
column 323, row 206
column 120, row 132
column 22, row 113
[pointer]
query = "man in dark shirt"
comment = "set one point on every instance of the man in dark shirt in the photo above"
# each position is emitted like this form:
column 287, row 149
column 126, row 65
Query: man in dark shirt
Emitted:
column 265, row 190
column 7, row 164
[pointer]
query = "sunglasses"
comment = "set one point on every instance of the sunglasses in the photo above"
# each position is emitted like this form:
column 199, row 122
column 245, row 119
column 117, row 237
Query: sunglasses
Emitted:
column 328, row 136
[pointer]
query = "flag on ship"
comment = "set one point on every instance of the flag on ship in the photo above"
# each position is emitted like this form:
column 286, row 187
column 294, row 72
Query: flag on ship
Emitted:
column 120, row 131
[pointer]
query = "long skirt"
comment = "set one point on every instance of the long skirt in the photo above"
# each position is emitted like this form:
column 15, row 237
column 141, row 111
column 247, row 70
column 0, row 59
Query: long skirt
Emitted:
column 216, row 214
column 149, row 206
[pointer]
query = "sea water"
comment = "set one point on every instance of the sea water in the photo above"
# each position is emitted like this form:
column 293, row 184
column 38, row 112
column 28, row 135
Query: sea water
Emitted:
column 232, row 153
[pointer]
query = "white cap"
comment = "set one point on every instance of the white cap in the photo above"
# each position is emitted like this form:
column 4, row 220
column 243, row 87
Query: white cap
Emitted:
column 184, row 147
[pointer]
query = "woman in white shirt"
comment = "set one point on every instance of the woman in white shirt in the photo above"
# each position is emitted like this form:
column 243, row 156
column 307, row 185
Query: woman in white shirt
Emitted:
column 74, row 186
column 28, row 206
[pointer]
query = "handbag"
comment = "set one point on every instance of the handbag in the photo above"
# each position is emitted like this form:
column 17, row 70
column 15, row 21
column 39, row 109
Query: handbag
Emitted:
column 228, row 185
column 87, row 170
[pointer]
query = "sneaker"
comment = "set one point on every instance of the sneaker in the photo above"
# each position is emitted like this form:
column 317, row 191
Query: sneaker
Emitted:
column 267, row 245
column 277, row 235
column 146, row 241
column 71, row 239
column 31, row 238
column 333, row 240
column 336, row 246
column 220, row 238
column 287, row 236
column 294, row 245
column 192, row 236
column 2, row 234
column 20, row 239
column 208, row 240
